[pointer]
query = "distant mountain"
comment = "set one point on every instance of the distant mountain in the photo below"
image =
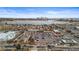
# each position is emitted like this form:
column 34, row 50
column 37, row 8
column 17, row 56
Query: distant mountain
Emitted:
column 58, row 19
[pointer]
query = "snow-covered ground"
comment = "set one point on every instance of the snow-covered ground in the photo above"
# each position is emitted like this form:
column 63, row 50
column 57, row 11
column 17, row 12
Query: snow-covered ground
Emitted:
column 7, row 36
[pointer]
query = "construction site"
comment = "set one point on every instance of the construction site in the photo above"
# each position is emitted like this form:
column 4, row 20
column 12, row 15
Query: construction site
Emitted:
column 39, row 35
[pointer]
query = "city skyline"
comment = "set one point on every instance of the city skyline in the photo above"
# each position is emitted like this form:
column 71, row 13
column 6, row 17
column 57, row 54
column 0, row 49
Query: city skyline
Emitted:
column 34, row 12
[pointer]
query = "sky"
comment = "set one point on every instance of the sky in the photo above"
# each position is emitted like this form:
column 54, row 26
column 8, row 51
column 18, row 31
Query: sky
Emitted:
column 34, row 12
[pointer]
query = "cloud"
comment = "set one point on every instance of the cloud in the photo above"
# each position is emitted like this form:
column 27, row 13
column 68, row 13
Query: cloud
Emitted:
column 63, row 12
column 7, row 11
